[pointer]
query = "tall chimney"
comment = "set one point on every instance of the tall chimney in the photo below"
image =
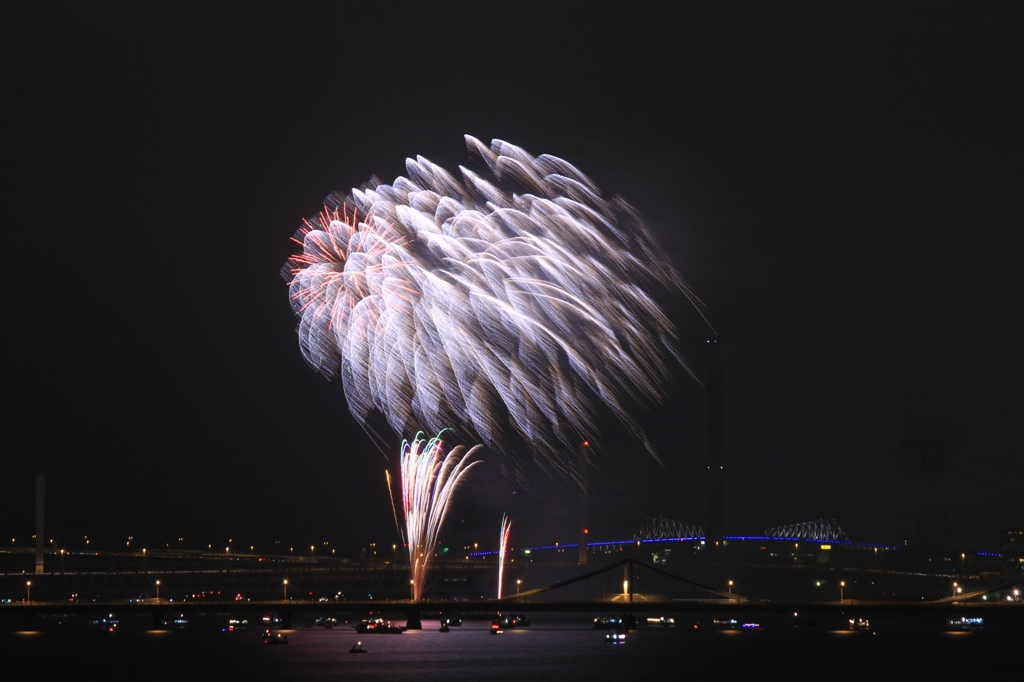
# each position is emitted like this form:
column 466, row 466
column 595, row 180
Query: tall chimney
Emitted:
column 713, row 474
column 40, row 515
column 584, row 453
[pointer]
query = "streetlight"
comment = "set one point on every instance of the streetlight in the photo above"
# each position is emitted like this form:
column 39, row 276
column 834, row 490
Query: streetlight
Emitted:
column 962, row 556
column 519, row 581
column 730, row 587
column 286, row 589
column 842, row 584
column 28, row 588
column 157, row 591
column 955, row 585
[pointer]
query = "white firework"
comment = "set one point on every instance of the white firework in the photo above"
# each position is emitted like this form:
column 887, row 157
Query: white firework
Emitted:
column 429, row 478
column 509, row 306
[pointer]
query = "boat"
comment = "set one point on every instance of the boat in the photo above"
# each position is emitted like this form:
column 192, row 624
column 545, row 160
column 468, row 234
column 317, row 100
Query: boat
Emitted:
column 274, row 638
column 378, row 626
column 357, row 648
column 617, row 636
column 664, row 622
column 802, row 620
column 327, row 622
column 966, row 623
column 607, row 623
column 514, row 621
column 235, row 625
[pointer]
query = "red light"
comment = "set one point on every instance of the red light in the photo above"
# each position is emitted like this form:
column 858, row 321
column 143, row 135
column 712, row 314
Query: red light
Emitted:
column 585, row 531
column 586, row 443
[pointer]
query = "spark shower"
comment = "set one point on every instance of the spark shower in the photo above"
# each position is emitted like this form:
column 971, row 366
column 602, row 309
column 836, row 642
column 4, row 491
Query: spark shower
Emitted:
column 429, row 477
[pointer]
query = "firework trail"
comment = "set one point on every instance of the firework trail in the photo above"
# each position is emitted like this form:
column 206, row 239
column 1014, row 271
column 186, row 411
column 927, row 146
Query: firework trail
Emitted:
column 398, row 527
column 429, row 477
column 509, row 306
column 506, row 526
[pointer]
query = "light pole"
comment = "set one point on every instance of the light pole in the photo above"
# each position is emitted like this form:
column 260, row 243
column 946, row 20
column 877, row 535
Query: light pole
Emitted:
column 962, row 557
column 842, row 584
column 157, row 591
column 28, row 589
column 519, row 581
column 730, row 587
column 955, row 585
column 286, row 589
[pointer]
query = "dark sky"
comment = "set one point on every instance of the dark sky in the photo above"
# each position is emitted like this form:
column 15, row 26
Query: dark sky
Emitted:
column 841, row 186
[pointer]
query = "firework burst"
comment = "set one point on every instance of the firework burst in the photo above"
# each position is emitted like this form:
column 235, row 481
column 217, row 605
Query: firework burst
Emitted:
column 511, row 305
column 429, row 477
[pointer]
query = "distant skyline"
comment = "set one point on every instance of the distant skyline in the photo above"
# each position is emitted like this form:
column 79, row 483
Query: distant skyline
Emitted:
column 839, row 185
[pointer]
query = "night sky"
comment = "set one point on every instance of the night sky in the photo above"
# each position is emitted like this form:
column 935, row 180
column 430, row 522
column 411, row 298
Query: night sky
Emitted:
column 841, row 187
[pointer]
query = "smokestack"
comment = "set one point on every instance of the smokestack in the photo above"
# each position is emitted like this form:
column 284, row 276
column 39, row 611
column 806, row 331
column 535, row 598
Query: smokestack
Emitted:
column 40, row 514
column 584, row 453
column 713, row 474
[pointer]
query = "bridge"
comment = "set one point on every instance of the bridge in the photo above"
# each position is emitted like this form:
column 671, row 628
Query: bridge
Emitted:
column 799, row 564
column 628, row 586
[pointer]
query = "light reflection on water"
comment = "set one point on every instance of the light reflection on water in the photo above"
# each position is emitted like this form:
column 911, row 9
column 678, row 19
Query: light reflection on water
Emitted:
column 467, row 652
column 564, row 648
